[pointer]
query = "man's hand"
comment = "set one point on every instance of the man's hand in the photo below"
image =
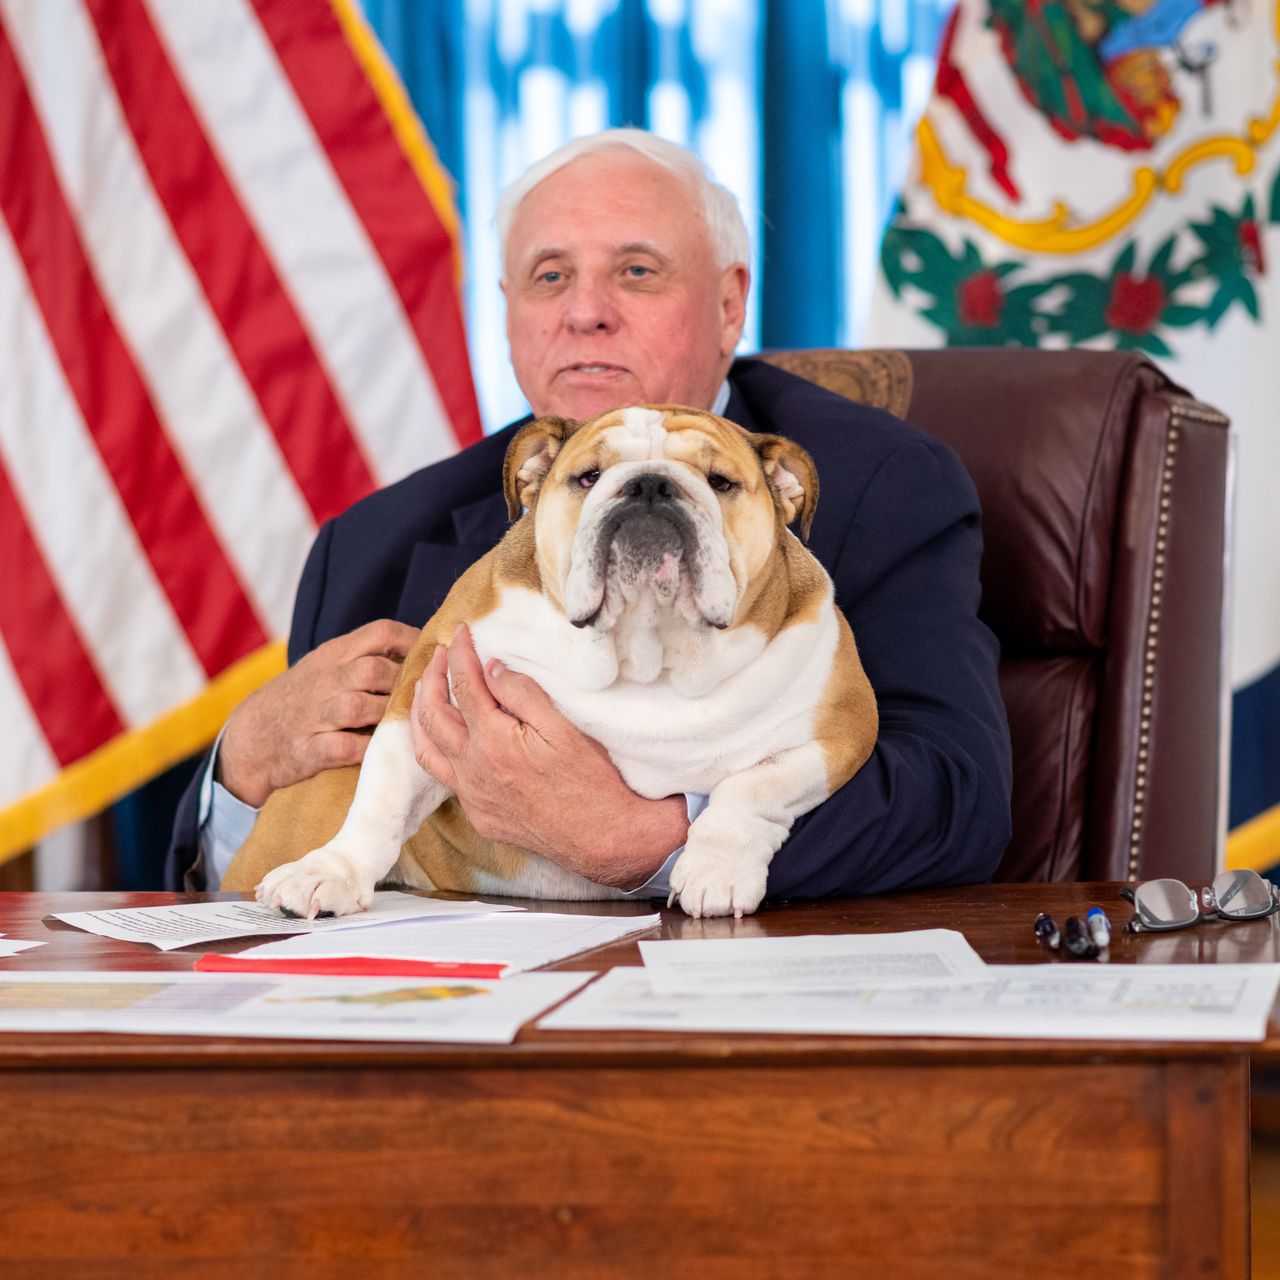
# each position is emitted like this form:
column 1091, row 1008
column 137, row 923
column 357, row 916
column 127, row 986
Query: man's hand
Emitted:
column 526, row 776
column 302, row 722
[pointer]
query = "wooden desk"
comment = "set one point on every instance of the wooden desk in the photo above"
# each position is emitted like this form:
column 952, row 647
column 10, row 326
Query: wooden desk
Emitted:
column 629, row 1154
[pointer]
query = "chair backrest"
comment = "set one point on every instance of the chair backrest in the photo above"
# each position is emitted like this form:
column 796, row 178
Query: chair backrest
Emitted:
column 1104, row 498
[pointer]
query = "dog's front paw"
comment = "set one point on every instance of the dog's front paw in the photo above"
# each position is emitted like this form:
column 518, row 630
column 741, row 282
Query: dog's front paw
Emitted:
column 324, row 883
column 710, row 885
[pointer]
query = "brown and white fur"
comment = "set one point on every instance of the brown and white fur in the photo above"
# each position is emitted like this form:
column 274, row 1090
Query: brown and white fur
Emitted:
column 653, row 589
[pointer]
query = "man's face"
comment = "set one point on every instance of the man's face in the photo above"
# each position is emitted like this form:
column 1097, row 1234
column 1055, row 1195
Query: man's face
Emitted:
column 613, row 293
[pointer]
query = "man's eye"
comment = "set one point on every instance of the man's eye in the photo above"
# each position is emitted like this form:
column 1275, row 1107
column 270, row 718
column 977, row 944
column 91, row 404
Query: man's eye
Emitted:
column 721, row 484
column 588, row 478
column 637, row 272
column 551, row 277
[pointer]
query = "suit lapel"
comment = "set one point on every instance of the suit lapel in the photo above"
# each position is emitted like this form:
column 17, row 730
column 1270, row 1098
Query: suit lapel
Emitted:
column 482, row 522
column 433, row 569
column 736, row 410
column 435, row 566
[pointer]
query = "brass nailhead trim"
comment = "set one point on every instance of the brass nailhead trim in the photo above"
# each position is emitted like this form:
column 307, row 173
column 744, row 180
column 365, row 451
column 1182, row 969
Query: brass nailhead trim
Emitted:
column 1197, row 413
column 1154, row 603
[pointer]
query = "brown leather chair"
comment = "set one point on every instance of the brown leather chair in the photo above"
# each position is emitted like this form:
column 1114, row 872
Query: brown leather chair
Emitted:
column 1104, row 494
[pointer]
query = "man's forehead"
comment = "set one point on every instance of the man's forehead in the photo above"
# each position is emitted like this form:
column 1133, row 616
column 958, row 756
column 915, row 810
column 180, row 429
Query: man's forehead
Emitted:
column 610, row 169
column 572, row 246
column 611, row 198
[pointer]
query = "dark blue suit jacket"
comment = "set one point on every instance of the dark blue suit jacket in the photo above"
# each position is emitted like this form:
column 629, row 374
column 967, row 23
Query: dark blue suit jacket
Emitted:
column 897, row 527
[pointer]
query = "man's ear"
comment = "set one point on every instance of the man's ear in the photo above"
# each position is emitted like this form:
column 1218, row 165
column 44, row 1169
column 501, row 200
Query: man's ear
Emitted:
column 734, row 283
column 529, row 458
column 792, row 477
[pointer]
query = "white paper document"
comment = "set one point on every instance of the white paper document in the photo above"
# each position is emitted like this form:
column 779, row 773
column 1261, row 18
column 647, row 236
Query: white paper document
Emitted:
column 520, row 942
column 183, row 926
column 834, row 962
column 273, row 1007
column 1050, row 1001
column 13, row 947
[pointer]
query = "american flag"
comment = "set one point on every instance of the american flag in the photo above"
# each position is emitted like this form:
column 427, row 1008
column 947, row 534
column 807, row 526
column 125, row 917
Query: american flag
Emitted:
column 228, row 309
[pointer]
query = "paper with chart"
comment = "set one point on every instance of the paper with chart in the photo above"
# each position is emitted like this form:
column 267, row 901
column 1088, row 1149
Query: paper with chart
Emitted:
column 1047, row 1001
column 188, row 924
column 476, row 1010
column 819, row 962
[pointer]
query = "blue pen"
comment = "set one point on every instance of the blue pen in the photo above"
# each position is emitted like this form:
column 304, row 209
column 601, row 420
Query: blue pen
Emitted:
column 1099, row 927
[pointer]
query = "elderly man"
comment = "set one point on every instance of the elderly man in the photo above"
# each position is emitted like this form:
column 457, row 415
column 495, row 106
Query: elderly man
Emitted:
column 625, row 280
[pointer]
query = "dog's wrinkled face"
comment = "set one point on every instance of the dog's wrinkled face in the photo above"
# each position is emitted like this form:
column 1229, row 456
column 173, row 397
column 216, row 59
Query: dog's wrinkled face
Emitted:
column 666, row 505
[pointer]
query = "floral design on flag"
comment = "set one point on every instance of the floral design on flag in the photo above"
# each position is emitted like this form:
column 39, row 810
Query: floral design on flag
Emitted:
column 1143, row 124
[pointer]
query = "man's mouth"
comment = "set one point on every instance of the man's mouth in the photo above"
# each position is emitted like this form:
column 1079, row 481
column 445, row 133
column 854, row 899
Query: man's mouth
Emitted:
column 590, row 369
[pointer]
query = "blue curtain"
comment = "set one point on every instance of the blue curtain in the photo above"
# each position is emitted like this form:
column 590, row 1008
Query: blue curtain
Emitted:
column 802, row 108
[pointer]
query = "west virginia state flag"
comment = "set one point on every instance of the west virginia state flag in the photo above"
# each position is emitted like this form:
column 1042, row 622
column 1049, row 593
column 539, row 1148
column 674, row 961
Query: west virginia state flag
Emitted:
column 1107, row 173
column 228, row 309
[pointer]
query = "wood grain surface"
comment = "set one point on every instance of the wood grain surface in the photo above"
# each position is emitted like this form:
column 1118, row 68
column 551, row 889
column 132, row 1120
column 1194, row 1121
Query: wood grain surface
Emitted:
column 627, row 1154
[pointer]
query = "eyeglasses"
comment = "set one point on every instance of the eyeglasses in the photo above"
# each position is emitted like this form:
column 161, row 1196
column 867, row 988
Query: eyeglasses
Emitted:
column 1169, row 904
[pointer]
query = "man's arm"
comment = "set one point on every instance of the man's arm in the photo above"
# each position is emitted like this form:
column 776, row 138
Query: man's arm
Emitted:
column 355, row 574
column 931, row 805
column 316, row 715
column 310, row 718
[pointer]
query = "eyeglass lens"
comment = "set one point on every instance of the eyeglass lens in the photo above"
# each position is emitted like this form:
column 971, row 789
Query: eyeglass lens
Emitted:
column 1165, row 904
column 1241, row 894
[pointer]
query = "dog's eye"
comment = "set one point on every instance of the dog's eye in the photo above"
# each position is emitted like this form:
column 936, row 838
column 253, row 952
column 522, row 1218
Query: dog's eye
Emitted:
column 588, row 478
column 721, row 484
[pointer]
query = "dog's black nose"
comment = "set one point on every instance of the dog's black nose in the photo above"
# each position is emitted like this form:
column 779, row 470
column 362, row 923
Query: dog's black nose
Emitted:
column 651, row 489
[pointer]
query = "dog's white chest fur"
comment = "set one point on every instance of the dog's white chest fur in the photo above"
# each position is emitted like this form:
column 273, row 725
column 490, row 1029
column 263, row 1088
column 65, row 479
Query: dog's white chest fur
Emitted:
column 722, row 699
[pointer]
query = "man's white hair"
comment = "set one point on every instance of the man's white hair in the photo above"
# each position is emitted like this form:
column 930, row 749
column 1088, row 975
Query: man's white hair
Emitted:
column 724, row 219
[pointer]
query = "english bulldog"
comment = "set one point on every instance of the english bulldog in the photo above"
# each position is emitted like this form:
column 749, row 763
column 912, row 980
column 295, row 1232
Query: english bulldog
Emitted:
column 650, row 584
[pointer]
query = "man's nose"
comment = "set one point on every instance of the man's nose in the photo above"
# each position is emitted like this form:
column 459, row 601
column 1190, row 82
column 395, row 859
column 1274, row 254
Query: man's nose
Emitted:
column 591, row 308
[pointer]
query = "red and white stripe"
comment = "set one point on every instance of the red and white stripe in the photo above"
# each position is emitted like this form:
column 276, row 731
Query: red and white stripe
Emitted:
column 227, row 311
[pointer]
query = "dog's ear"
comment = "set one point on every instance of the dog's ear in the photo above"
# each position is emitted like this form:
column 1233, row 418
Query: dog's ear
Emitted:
column 529, row 457
column 792, row 477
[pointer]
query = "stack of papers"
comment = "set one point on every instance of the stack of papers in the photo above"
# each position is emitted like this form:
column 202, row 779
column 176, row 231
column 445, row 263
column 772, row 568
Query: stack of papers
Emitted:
column 493, row 946
column 409, row 968
column 416, row 968
column 184, row 926
column 791, row 966
column 924, row 983
column 279, row 1008
column 400, row 934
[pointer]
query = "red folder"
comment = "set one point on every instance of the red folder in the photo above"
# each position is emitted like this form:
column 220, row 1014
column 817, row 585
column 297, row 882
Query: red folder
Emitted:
column 348, row 967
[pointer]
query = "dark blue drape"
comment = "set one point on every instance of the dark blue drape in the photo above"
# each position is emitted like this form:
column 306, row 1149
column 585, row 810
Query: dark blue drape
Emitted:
column 801, row 250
